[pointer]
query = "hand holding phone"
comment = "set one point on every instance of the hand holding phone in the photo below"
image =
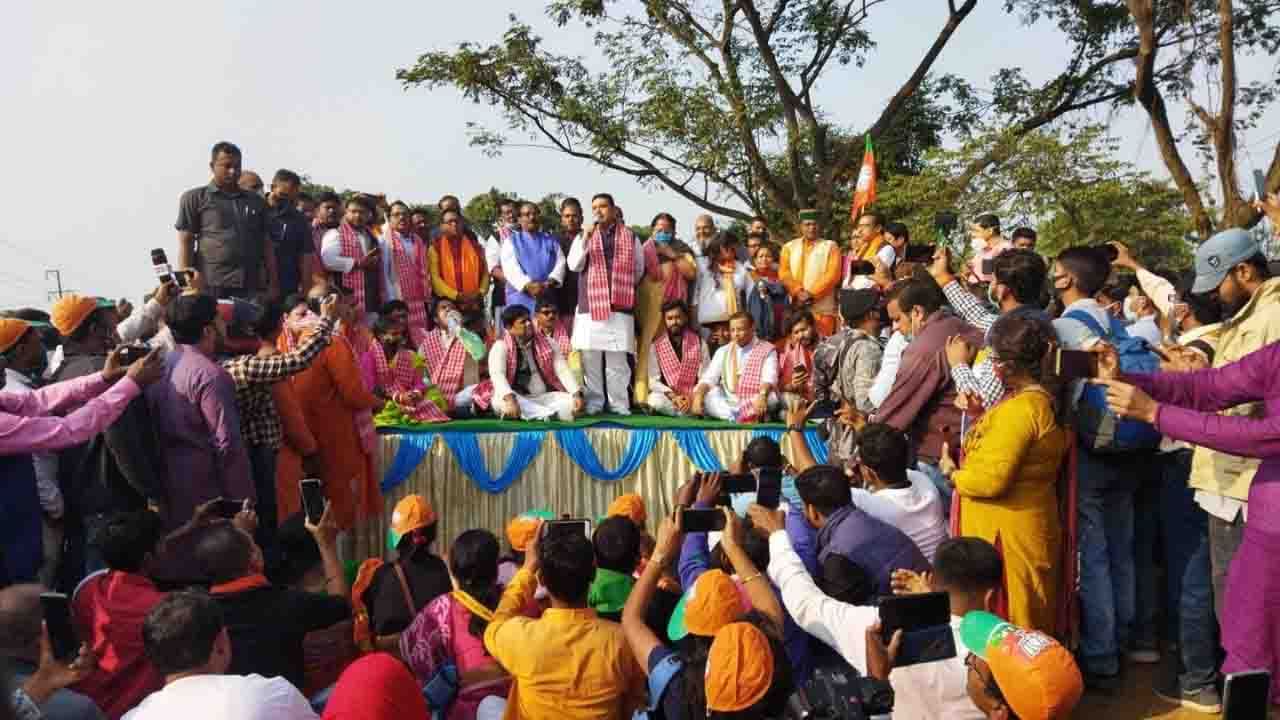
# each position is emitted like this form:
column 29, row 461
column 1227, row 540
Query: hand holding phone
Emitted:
column 925, row 622
column 702, row 519
column 312, row 499
column 63, row 640
column 567, row 526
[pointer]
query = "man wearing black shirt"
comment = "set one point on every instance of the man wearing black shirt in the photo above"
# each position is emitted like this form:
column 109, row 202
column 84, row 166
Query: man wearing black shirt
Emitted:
column 289, row 231
column 267, row 624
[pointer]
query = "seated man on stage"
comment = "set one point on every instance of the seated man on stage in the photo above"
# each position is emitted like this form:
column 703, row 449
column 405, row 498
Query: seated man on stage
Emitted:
column 547, row 320
column 451, row 357
column 398, row 377
column 530, row 377
column 677, row 358
column 738, row 384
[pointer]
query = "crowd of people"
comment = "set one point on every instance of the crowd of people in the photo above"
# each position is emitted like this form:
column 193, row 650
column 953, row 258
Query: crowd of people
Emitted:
column 1034, row 439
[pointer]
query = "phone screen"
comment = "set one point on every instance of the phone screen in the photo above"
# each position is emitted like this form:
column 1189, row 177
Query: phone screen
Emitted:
column 57, row 617
column 1076, row 364
column 1246, row 695
column 734, row 484
column 312, row 499
column 574, row 526
column 228, row 508
column 913, row 612
column 702, row 520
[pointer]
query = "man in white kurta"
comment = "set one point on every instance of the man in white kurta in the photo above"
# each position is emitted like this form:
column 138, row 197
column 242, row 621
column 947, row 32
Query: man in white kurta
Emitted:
column 677, row 359
column 738, row 384
column 540, row 385
column 604, row 327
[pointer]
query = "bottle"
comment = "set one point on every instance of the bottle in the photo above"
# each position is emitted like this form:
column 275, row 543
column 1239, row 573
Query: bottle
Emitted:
column 473, row 343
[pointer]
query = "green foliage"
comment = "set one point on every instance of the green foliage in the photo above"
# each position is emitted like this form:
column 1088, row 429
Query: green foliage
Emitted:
column 1067, row 185
column 481, row 211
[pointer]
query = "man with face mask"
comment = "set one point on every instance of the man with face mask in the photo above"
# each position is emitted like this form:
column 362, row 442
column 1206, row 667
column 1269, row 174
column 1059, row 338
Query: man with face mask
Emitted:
column 1018, row 278
column 922, row 401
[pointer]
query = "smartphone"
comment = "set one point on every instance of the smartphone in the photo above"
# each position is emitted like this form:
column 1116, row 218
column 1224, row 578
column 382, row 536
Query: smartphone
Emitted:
column 925, row 622
column 312, row 499
column 129, row 354
column 229, row 508
column 702, row 520
column 1075, row 364
column 62, row 633
column 768, row 487
column 734, row 483
column 1246, row 695
column 988, row 266
column 920, row 253
column 571, row 526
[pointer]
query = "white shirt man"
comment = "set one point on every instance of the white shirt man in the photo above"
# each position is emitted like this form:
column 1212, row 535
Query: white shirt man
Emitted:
column 525, row 390
column 915, row 510
column 727, row 390
column 674, row 365
column 607, row 336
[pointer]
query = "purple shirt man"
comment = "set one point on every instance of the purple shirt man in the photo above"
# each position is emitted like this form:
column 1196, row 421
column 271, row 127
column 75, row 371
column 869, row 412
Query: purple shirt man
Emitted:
column 194, row 410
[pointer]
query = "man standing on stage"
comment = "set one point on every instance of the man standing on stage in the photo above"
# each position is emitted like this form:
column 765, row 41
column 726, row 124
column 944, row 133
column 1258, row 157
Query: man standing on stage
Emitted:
column 458, row 270
column 532, row 261
column 612, row 264
column 738, row 383
column 353, row 253
column 570, row 229
column 404, row 268
column 676, row 361
column 810, row 270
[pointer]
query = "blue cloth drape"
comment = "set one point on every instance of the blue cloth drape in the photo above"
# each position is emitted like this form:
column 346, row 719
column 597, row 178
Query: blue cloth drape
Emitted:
column 467, row 451
column 698, row 450
column 413, row 448
column 575, row 444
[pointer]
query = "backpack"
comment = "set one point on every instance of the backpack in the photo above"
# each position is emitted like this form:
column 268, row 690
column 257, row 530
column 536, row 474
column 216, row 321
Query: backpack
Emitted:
column 1101, row 430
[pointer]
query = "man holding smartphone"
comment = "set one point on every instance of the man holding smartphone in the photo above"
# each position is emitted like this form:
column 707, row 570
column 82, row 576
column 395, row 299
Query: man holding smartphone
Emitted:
column 354, row 256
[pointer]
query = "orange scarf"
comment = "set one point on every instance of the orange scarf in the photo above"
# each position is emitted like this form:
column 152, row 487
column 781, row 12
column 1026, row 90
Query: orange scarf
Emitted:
column 248, row 582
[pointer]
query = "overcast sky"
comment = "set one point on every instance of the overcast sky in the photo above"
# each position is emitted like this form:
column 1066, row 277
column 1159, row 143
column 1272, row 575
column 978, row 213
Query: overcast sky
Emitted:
column 109, row 112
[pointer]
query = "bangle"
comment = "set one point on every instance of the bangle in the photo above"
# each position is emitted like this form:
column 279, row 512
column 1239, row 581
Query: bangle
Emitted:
column 748, row 579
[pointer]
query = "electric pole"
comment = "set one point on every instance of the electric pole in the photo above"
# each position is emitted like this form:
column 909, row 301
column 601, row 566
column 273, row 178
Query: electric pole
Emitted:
column 57, row 279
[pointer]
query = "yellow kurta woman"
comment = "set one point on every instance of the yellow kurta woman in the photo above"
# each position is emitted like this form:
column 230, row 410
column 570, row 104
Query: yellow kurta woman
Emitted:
column 1008, row 487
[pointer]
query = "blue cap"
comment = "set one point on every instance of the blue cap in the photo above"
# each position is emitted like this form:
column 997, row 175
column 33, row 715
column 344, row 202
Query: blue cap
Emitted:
column 1216, row 256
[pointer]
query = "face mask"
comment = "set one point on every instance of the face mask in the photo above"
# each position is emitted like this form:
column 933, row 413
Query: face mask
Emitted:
column 1129, row 313
column 662, row 237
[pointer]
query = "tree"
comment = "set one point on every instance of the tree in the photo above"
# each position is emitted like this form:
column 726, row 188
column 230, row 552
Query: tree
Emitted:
column 481, row 211
column 720, row 100
column 1225, row 29
column 1067, row 184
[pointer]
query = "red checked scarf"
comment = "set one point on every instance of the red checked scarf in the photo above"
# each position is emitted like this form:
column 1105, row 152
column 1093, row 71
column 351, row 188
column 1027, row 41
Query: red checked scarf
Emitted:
column 544, row 356
column 680, row 373
column 447, row 360
column 674, row 285
column 601, row 300
column 352, row 248
column 410, row 273
column 561, row 336
column 749, row 380
column 792, row 357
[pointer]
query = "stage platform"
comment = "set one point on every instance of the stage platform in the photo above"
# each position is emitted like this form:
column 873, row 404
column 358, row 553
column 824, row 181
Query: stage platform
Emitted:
column 481, row 473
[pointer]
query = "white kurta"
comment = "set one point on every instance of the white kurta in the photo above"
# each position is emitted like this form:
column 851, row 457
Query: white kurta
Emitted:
column 541, row 402
column 516, row 276
column 722, row 401
column 659, row 392
column 710, row 299
column 618, row 332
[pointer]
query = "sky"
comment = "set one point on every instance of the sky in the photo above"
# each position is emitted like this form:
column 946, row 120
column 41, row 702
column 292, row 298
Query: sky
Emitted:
column 109, row 113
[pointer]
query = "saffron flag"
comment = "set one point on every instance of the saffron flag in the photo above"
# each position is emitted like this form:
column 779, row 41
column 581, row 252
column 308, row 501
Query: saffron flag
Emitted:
column 865, row 192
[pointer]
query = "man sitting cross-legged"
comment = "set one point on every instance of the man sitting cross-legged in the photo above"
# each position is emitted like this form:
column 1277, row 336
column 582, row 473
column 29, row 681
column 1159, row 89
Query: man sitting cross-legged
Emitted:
column 677, row 359
column 530, row 378
column 738, row 384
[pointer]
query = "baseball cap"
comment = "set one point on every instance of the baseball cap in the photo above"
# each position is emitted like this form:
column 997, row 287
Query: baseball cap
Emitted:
column 1216, row 256
column 70, row 311
column 713, row 602
column 522, row 527
column 1037, row 676
column 630, row 506
column 739, row 668
column 411, row 513
column 11, row 331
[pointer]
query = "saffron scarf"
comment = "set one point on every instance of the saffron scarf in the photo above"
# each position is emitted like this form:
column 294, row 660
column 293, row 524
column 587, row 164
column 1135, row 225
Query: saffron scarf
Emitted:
column 248, row 582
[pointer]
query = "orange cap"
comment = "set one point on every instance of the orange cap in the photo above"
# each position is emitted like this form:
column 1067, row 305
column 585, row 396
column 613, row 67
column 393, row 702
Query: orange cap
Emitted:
column 11, row 331
column 711, row 603
column 411, row 513
column 1037, row 676
column 630, row 506
column 69, row 311
column 739, row 668
column 522, row 527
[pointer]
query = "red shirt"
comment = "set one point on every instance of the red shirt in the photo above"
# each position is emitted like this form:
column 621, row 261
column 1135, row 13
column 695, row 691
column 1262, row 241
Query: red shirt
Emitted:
column 109, row 609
